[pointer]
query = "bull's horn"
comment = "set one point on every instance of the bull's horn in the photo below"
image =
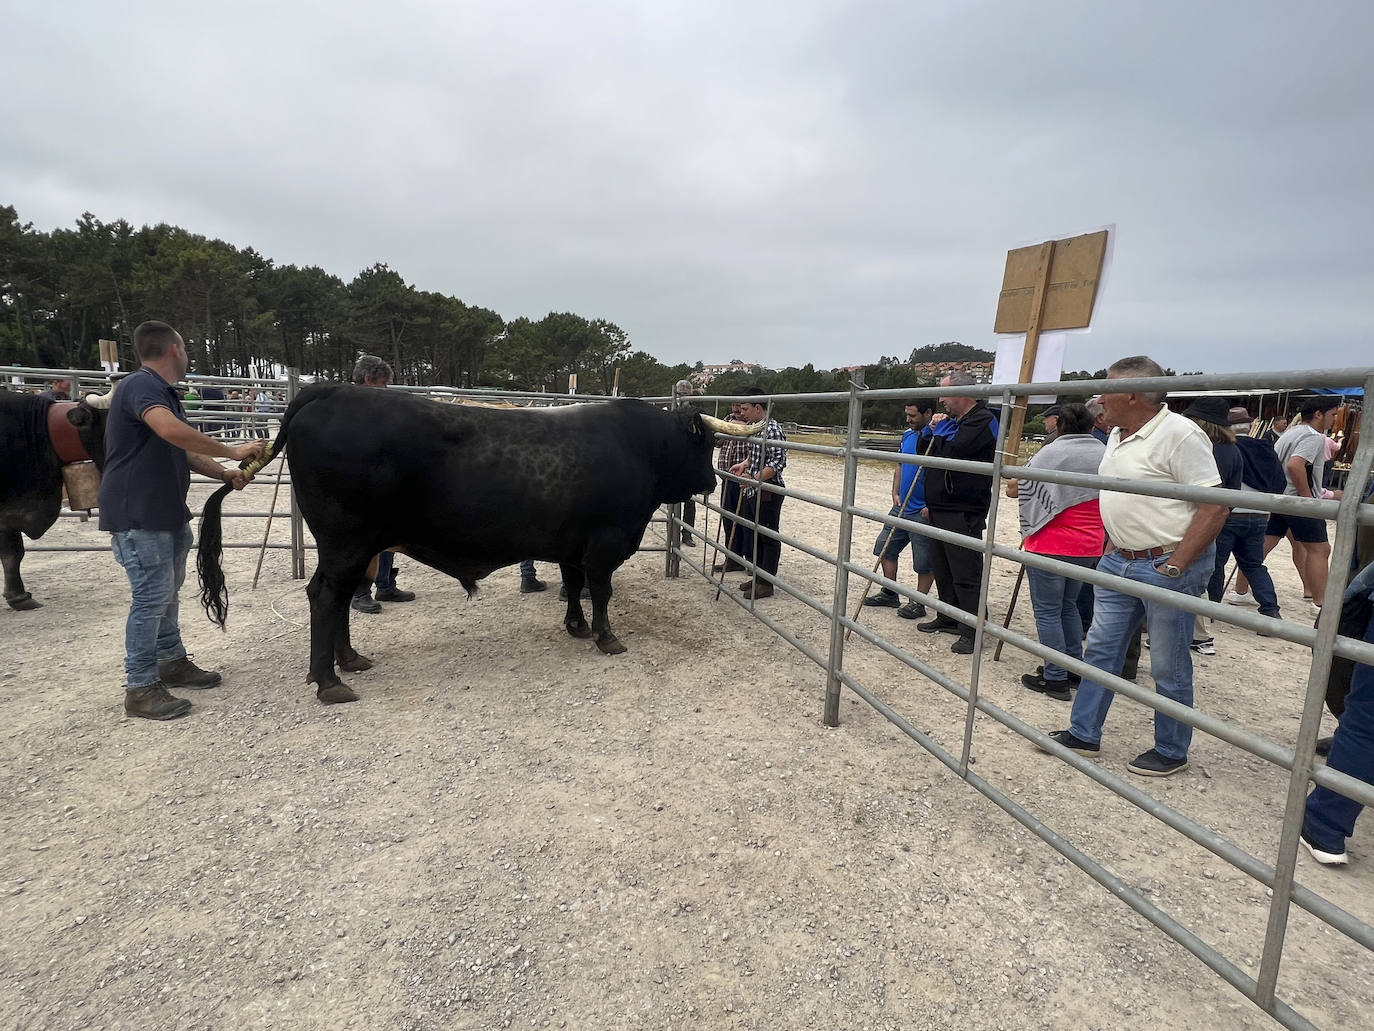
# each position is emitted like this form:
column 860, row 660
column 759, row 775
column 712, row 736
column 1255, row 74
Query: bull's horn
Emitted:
column 101, row 401
column 733, row 429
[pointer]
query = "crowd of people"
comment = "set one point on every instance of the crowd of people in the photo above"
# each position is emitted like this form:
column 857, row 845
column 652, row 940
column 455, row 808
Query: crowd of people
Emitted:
column 1168, row 545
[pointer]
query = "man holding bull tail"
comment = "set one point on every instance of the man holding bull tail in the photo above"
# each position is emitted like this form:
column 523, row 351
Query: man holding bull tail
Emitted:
column 150, row 450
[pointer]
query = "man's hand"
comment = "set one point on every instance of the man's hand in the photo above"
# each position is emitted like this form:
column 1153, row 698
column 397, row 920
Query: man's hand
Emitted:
column 247, row 452
column 938, row 418
column 236, row 478
column 739, row 468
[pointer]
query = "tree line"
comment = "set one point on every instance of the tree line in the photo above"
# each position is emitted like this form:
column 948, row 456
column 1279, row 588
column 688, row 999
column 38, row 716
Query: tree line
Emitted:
column 242, row 314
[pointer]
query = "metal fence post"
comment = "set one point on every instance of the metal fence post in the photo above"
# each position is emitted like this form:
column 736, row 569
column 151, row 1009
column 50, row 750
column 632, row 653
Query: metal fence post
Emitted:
column 990, row 535
column 293, row 386
column 1296, row 805
column 672, row 555
column 840, row 603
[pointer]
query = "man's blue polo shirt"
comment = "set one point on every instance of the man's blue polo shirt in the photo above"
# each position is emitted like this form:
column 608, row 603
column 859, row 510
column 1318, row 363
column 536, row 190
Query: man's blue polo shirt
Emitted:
column 145, row 480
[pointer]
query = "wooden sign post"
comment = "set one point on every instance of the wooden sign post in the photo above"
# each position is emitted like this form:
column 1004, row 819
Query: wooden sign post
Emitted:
column 1046, row 287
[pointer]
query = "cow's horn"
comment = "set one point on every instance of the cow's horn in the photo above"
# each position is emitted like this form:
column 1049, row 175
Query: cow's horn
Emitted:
column 101, row 401
column 733, row 429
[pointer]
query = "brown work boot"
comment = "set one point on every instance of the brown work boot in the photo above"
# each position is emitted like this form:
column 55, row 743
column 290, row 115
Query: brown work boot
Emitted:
column 183, row 672
column 154, row 703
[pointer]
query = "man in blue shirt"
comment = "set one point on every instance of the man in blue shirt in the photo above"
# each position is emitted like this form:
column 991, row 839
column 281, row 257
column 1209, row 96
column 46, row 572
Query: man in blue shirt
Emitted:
column 150, row 450
column 907, row 486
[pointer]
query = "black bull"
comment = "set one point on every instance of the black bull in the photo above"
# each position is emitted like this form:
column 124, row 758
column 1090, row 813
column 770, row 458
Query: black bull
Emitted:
column 468, row 490
column 31, row 475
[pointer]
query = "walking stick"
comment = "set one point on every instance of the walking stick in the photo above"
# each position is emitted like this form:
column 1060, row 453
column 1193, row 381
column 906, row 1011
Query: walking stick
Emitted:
column 263, row 550
column 868, row 584
column 730, row 542
column 1016, row 590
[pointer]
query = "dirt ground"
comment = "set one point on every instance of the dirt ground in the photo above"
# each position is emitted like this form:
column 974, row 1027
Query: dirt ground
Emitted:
column 511, row 830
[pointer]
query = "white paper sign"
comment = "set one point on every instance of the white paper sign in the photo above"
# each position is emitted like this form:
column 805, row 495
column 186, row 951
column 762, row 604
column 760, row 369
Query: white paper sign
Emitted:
column 1049, row 361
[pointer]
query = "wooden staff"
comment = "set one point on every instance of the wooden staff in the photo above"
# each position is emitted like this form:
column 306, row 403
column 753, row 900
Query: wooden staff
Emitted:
column 730, row 543
column 1016, row 590
column 263, row 550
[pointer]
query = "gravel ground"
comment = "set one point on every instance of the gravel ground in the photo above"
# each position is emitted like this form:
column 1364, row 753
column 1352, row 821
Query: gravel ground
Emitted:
column 511, row 830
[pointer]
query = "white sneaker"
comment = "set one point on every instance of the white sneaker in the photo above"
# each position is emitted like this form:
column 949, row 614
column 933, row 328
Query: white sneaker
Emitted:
column 1324, row 857
column 1235, row 598
column 1314, row 609
column 1204, row 647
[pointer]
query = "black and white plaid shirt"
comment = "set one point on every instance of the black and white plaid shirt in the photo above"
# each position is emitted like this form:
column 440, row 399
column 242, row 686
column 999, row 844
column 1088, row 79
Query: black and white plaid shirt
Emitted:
column 760, row 455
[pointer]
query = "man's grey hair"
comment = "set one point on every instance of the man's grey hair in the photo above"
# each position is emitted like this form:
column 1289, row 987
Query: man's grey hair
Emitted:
column 960, row 379
column 370, row 367
column 1094, row 407
column 1139, row 367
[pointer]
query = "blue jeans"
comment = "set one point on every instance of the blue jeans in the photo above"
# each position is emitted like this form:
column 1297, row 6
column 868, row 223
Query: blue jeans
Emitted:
column 527, row 569
column 1057, row 621
column 155, row 561
column 1115, row 619
column 1243, row 536
column 1331, row 817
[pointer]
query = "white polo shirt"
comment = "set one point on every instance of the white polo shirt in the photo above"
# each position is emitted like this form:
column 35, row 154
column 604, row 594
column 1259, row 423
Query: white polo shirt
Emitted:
column 1168, row 448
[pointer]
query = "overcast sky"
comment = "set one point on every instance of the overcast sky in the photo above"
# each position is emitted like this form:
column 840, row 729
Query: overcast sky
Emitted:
column 780, row 182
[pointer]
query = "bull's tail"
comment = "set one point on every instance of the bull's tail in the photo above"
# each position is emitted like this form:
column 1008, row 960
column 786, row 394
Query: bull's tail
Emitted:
column 214, row 593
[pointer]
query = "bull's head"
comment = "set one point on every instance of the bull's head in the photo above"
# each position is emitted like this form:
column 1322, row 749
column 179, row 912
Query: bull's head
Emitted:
column 89, row 419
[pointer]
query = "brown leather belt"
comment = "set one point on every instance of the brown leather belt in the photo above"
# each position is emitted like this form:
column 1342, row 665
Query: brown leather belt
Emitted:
column 1159, row 552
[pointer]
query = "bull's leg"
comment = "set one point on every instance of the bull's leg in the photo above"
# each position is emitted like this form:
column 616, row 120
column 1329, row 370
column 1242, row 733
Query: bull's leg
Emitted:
column 348, row 659
column 329, row 598
column 573, row 620
column 600, row 584
column 11, row 554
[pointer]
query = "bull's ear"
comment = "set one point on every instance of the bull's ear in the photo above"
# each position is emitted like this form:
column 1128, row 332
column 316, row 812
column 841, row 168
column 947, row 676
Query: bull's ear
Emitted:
column 81, row 417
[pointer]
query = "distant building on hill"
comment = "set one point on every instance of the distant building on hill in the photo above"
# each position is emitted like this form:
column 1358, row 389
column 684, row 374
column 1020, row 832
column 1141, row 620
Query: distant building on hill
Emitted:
column 710, row 372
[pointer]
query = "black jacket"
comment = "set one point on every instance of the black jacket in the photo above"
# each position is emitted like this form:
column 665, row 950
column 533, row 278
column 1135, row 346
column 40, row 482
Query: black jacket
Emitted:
column 975, row 440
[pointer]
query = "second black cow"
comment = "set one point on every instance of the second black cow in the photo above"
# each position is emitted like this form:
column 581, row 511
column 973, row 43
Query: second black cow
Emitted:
column 37, row 437
column 468, row 490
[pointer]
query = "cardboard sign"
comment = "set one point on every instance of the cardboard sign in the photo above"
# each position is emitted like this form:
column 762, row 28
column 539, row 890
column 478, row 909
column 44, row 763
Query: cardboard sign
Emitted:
column 1072, row 289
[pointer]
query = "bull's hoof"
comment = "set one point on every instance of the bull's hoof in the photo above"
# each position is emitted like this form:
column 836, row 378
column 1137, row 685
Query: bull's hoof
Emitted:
column 336, row 694
column 581, row 630
column 355, row 664
column 24, row 604
column 610, row 644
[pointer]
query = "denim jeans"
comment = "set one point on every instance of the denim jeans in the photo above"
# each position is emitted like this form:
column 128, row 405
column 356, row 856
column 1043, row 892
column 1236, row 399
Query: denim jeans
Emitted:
column 1057, row 622
column 527, row 569
column 1115, row 619
column 1331, row 817
column 1243, row 536
column 155, row 561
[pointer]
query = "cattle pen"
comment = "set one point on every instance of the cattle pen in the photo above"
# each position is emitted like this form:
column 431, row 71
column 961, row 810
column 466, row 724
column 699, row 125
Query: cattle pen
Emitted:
column 1178, row 853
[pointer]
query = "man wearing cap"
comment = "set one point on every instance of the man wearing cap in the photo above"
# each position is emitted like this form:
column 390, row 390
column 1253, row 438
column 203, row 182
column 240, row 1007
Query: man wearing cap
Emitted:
column 1051, row 417
column 1161, row 542
column 1302, row 453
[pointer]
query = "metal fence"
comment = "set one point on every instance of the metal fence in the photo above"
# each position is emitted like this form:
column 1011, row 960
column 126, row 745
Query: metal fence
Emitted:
column 1324, row 642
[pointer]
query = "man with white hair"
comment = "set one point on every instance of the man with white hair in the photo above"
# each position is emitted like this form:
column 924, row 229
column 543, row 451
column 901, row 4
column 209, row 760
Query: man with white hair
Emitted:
column 1163, row 542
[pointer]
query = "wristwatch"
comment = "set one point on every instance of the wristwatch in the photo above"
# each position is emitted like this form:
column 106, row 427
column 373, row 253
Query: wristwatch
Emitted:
column 1169, row 570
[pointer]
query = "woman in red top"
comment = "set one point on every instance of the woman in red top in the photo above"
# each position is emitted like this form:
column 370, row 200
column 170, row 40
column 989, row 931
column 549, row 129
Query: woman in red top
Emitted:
column 1064, row 523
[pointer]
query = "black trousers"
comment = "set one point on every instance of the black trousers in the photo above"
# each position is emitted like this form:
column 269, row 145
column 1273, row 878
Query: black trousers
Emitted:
column 768, row 507
column 958, row 571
